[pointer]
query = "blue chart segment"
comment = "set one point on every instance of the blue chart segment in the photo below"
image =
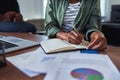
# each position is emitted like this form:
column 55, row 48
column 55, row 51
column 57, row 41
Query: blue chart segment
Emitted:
column 86, row 74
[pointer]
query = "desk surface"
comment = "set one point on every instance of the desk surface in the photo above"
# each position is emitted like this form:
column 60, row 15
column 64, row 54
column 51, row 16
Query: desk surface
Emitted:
column 12, row 73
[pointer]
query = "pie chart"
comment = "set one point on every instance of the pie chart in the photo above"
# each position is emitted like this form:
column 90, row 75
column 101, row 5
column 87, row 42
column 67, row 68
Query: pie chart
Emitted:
column 86, row 74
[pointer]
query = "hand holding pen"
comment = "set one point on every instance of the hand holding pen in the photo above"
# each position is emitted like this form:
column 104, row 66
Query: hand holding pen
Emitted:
column 72, row 36
column 75, row 37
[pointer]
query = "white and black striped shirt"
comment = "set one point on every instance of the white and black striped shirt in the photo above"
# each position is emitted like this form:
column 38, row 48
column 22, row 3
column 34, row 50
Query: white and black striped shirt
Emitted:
column 69, row 16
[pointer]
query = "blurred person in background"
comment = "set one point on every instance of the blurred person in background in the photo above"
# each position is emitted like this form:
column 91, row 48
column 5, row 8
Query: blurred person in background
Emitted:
column 11, row 20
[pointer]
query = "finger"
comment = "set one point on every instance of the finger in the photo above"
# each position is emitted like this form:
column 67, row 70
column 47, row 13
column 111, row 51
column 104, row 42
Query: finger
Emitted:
column 93, row 42
column 82, row 36
column 73, row 39
column 102, row 48
column 18, row 18
column 9, row 16
column 12, row 14
column 78, row 35
column 101, row 45
column 74, row 33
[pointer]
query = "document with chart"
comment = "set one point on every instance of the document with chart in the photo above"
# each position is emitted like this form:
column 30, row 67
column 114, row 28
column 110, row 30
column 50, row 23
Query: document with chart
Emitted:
column 85, row 67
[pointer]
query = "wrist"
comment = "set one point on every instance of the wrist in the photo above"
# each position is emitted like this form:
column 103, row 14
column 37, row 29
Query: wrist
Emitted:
column 62, row 35
column 93, row 34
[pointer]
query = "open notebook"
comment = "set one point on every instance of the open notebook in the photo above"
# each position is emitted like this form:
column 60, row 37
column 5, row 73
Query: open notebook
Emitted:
column 55, row 45
column 14, row 43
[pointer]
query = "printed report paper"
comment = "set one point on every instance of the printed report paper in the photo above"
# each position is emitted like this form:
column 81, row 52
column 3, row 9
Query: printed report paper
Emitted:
column 84, row 67
column 36, row 62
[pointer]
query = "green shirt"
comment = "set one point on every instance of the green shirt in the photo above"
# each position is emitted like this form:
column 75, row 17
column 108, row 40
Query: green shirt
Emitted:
column 87, row 20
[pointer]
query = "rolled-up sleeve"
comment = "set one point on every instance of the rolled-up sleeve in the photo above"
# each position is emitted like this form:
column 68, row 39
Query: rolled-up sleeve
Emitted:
column 50, row 24
column 94, row 23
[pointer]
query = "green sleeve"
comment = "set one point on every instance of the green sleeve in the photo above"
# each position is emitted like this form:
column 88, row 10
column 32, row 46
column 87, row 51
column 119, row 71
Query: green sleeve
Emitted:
column 94, row 23
column 51, row 24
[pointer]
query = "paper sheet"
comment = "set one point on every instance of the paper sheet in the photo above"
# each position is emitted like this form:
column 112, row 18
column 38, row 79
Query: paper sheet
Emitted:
column 36, row 62
column 100, row 63
column 29, row 63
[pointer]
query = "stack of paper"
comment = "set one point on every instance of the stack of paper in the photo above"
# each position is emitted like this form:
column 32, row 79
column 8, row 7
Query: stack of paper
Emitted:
column 29, row 63
column 66, row 65
column 84, row 67
column 36, row 62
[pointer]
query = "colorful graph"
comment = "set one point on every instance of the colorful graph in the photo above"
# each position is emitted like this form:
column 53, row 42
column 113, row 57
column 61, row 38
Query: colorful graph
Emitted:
column 86, row 74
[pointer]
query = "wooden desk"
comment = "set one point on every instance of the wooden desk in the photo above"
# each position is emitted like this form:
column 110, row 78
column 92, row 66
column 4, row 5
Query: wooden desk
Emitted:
column 12, row 73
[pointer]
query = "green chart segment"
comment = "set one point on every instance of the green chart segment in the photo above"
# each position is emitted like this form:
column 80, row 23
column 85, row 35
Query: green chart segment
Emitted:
column 86, row 74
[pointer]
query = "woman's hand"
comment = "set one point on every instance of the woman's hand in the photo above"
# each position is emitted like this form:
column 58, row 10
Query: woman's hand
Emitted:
column 75, row 37
column 72, row 36
column 98, row 41
column 18, row 17
column 9, row 16
column 12, row 16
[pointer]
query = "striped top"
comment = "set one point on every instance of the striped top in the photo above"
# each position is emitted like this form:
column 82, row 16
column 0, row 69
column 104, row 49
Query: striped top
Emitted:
column 69, row 16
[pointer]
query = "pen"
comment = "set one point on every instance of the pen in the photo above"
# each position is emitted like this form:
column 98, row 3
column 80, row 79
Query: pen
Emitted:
column 84, row 43
column 77, row 32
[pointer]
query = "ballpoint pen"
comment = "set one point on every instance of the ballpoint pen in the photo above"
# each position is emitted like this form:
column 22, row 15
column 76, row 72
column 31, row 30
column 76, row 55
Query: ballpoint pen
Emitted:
column 85, row 43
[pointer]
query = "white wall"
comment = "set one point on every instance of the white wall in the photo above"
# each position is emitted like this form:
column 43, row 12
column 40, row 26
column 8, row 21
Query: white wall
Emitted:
column 31, row 9
column 111, row 2
column 114, row 1
column 34, row 9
